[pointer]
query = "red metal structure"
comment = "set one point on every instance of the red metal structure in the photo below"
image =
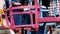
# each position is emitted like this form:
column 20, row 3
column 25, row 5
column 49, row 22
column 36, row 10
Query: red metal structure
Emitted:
column 12, row 24
column 37, row 18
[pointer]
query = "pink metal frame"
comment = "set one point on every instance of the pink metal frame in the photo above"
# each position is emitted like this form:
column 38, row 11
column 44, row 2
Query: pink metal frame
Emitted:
column 12, row 24
column 37, row 18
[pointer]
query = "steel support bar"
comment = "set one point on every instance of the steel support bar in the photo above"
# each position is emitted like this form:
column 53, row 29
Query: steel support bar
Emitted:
column 18, row 26
column 22, row 12
column 49, row 19
column 19, row 7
